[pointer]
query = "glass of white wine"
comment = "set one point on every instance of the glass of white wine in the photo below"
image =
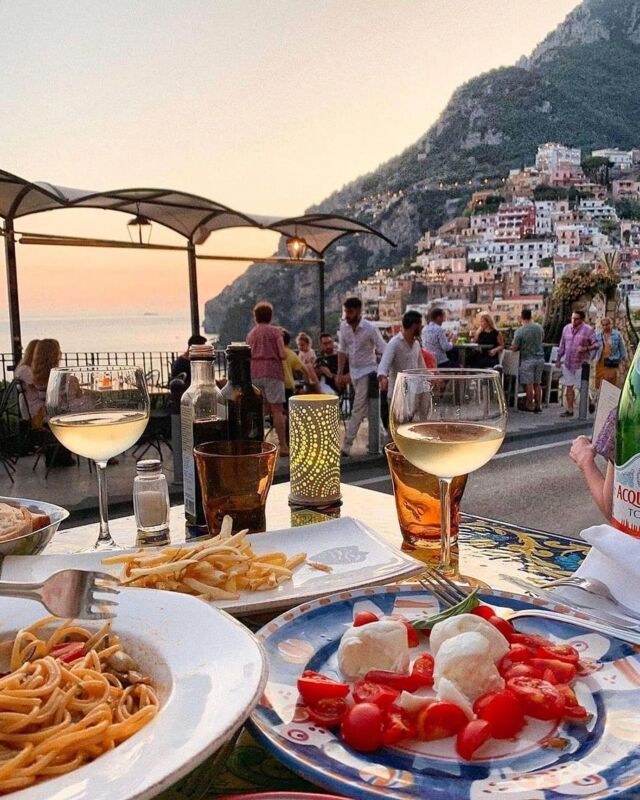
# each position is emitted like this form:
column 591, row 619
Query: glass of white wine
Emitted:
column 98, row 418
column 448, row 422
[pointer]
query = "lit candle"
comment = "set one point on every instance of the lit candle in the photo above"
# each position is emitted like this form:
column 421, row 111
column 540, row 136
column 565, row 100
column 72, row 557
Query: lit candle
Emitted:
column 315, row 449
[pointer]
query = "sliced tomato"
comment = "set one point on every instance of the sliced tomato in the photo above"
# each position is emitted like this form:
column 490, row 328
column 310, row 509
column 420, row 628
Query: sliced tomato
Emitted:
column 520, row 671
column 503, row 625
column 397, row 725
column 539, row 698
column 439, row 720
column 314, row 687
column 413, row 639
column 503, row 711
column 397, row 680
column 561, row 652
column 529, row 639
column 471, row 737
column 68, row 651
column 364, row 618
column 362, row 727
column 486, row 612
column 572, row 709
column 328, row 712
column 422, row 671
column 365, row 691
column 549, row 675
column 562, row 671
column 517, row 654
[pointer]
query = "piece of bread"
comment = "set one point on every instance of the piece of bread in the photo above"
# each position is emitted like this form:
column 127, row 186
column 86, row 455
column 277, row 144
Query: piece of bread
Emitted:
column 14, row 521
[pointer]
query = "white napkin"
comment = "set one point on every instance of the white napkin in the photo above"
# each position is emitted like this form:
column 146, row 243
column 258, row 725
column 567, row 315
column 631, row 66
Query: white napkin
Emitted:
column 614, row 559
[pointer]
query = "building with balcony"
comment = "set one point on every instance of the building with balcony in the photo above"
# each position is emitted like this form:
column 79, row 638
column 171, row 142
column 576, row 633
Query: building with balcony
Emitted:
column 625, row 189
column 551, row 154
column 622, row 159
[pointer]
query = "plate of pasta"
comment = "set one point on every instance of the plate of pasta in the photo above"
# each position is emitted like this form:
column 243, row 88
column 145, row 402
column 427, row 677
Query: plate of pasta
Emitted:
column 122, row 709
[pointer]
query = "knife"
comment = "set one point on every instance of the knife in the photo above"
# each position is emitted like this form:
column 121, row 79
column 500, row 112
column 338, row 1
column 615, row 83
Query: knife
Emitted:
column 600, row 616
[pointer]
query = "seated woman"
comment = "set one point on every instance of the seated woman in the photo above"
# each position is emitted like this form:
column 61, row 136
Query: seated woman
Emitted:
column 491, row 341
column 24, row 374
column 46, row 357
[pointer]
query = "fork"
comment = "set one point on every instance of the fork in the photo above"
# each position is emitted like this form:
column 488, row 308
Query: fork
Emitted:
column 593, row 587
column 70, row 593
column 450, row 594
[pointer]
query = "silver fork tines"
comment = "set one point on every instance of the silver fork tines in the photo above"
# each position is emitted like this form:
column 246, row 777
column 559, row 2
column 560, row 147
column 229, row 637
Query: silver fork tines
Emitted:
column 444, row 588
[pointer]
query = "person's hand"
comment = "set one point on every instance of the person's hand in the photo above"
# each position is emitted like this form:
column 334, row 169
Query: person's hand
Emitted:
column 340, row 381
column 383, row 383
column 493, row 351
column 582, row 452
column 558, row 364
column 324, row 371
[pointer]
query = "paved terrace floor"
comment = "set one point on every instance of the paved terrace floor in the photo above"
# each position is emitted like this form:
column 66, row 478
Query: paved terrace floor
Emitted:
column 75, row 487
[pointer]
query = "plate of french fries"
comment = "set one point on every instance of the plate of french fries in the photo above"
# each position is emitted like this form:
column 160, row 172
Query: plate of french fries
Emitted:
column 244, row 573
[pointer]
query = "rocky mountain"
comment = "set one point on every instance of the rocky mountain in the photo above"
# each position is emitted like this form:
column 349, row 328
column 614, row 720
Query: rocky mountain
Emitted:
column 579, row 86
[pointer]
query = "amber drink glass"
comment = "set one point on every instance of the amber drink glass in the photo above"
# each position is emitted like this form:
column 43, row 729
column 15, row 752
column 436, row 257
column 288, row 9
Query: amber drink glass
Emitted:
column 235, row 478
column 417, row 496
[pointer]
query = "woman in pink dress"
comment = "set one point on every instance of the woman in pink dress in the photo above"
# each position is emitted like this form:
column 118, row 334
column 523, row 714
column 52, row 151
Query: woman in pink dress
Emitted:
column 267, row 373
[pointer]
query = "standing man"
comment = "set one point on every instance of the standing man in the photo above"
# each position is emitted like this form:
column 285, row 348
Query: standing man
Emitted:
column 436, row 341
column 358, row 340
column 576, row 345
column 402, row 352
column 527, row 341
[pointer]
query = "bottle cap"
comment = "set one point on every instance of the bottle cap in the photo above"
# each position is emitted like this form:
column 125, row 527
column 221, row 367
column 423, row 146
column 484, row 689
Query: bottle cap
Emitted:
column 149, row 465
column 201, row 352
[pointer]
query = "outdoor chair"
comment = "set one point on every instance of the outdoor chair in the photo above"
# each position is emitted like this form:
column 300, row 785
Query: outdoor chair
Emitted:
column 153, row 377
column 9, row 428
column 510, row 369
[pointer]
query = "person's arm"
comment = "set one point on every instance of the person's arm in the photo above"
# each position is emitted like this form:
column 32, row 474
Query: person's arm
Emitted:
column 500, row 346
column 444, row 342
column 282, row 353
column 384, row 366
column 622, row 348
column 600, row 487
column 561, row 349
column 379, row 343
column 515, row 344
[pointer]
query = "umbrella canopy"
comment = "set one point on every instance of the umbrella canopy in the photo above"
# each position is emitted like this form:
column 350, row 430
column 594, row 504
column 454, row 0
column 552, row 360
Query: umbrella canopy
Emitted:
column 181, row 212
column 318, row 230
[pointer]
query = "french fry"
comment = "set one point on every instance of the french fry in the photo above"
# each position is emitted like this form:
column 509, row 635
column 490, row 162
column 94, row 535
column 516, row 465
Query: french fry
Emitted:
column 217, row 569
column 320, row 567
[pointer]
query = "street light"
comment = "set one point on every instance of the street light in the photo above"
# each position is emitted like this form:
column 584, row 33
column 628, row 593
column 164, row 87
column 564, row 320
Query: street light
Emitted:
column 296, row 247
column 139, row 229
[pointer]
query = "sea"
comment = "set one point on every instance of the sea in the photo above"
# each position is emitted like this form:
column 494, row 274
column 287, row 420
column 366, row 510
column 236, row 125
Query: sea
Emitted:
column 99, row 333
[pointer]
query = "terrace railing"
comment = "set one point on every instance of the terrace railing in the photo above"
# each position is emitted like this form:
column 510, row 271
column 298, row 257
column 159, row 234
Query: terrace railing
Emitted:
column 148, row 361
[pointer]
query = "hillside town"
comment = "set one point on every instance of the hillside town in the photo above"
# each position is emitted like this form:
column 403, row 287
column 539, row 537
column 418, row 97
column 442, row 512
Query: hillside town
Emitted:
column 516, row 237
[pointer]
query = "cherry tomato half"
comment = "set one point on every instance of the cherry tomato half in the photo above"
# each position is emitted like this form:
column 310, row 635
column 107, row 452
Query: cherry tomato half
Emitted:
column 412, row 634
column 364, row 618
column 422, row 671
column 530, row 640
column 471, row 737
column 328, row 712
column 486, row 612
column 503, row 625
column 314, row 687
column 503, row 711
column 396, row 726
column 561, row 652
column 520, row 671
column 396, row 680
column 362, row 727
column 540, row 699
column 517, row 654
column 562, row 671
column 439, row 720
column 572, row 709
column 365, row 691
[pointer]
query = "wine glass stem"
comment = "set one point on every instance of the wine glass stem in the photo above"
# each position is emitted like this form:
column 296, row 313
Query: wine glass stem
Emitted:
column 445, row 524
column 104, row 537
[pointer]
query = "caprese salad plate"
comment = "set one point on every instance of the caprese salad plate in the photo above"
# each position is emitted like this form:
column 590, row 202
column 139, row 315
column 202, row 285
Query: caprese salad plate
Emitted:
column 477, row 708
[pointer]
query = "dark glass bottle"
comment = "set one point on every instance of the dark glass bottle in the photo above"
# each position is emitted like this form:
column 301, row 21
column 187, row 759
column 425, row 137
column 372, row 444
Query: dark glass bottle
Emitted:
column 202, row 419
column 245, row 415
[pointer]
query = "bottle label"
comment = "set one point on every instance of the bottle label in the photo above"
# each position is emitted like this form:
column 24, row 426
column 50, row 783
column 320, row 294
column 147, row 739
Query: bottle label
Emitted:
column 626, row 496
column 188, row 461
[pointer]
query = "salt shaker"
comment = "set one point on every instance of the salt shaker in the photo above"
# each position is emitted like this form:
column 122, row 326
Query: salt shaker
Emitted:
column 151, row 503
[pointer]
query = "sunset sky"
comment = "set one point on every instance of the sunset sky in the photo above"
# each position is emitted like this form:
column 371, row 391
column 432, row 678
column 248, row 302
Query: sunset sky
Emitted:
column 266, row 106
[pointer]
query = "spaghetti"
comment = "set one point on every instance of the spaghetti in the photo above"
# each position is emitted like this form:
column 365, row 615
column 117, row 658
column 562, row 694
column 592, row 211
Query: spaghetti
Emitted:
column 71, row 695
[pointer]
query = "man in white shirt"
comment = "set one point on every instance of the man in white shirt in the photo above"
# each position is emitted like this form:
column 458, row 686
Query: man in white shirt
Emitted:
column 435, row 340
column 358, row 340
column 401, row 353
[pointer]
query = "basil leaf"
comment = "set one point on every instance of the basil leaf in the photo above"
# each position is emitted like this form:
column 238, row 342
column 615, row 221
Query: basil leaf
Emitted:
column 463, row 607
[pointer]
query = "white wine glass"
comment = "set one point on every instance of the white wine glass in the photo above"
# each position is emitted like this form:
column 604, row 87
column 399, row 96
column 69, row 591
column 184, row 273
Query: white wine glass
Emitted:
column 448, row 422
column 98, row 418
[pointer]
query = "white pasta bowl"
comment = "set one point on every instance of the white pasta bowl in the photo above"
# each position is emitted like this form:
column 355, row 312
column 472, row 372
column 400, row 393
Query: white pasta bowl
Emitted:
column 208, row 670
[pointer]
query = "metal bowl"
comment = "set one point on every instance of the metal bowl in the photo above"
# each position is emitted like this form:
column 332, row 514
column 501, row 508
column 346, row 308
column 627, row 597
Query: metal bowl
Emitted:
column 30, row 544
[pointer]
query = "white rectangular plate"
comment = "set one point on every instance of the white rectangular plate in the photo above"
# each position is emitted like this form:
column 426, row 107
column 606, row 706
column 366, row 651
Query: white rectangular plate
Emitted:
column 357, row 555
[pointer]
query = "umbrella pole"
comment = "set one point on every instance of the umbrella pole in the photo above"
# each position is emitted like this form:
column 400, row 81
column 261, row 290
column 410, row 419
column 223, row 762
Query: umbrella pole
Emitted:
column 193, row 288
column 321, row 292
column 12, row 290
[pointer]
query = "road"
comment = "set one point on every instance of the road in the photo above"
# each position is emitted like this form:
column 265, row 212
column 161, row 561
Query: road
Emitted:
column 535, row 485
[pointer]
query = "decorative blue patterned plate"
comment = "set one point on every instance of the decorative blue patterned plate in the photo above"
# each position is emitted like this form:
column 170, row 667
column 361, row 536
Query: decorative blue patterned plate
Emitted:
column 599, row 760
